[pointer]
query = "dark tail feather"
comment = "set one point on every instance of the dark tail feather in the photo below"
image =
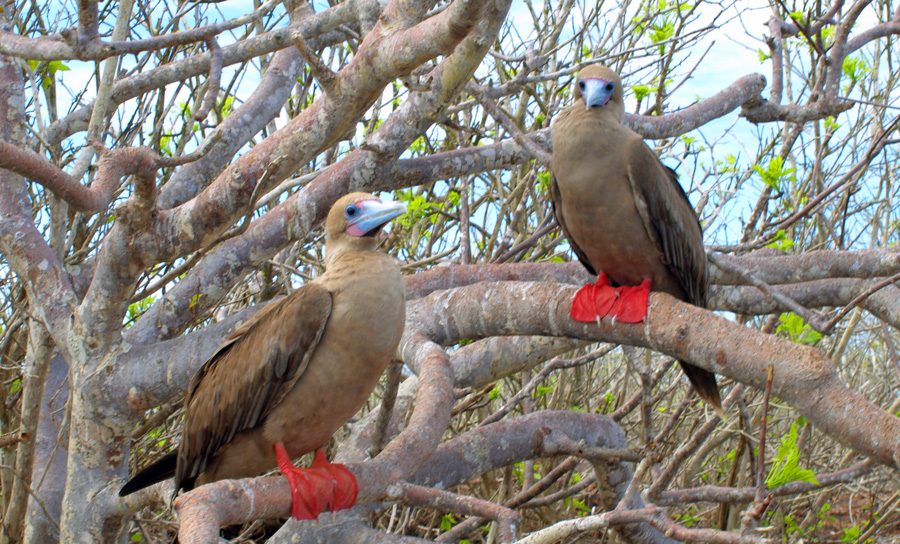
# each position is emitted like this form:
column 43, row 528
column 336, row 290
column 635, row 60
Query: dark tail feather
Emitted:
column 162, row 469
column 704, row 383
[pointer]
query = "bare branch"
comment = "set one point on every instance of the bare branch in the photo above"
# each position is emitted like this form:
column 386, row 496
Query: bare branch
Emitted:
column 213, row 82
column 88, row 47
column 676, row 329
column 507, row 520
column 810, row 317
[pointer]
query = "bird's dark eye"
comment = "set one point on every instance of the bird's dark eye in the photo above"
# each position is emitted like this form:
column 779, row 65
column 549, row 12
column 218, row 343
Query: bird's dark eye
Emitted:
column 351, row 211
column 581, row 84
column 610, row 86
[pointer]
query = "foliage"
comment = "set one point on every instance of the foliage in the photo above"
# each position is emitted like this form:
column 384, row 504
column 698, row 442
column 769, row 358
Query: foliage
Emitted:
column 797, row 330
column 786, row 467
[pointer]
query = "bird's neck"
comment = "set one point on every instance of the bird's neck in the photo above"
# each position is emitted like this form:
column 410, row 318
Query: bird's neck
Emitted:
column 351, row 262
column 337, row 251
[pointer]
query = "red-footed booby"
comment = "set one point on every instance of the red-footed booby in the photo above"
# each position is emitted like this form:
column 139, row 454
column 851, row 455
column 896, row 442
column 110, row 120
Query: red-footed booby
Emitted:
column 624, row 214
column 296, row 371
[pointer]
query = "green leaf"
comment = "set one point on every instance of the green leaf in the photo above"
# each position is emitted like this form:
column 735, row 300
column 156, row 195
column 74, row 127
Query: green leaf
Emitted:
column 57, row 66
column 447, row 522
column 851, row 534
column 786, row 467
column 419, row 146
column 227, row 105
column 609, row 404
column 581, row 507
column 495, row 392
column 165, row 145
column 543, row 181
column 417, row 207
column 453, row 198
column 774, row 174
column 138, row 308
column 640, row 92
column 542, row 390
column 797, row 330
column 855, row 68
column 781, row 242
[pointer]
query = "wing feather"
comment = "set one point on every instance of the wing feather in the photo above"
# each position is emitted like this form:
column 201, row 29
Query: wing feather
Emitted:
column 249, row 375
column 669, row 220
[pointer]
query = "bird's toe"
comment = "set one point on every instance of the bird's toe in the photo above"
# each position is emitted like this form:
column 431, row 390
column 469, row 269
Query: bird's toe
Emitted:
column 631, row 304
column 593, row 301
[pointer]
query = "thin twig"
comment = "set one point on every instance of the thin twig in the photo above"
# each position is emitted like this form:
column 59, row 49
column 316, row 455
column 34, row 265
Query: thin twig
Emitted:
column 506, row 518
column 13, row 438
column 829, row 326
column 554, row 364
column 754, row 512
column 509, row 125
column 810, row 317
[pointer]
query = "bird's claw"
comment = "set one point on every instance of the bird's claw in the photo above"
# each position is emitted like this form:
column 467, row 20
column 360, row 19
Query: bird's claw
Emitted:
column 631, row 305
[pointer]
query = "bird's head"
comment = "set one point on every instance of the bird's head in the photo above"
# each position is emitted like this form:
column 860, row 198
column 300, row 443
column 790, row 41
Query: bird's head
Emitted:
column 599, row 87
column 355, row 221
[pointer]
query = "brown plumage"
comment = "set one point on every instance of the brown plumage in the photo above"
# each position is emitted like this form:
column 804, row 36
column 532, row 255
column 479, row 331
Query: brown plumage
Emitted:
column 300, row 367
column 624, row 213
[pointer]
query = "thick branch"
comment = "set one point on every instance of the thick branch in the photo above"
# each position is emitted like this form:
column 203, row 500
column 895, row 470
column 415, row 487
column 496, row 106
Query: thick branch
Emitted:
column 237, row 129
column 151, row 375
column 743, row 91
column 804, row 377
column 809, row 266
column 113, row 166
column 381, row 58
column 541, row 434
column 26, row 251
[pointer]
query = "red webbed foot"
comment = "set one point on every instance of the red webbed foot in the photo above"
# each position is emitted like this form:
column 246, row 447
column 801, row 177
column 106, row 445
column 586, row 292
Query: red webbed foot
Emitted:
column 345, row 487
column 631, row 305
column 627, row 303
column 593, row 301
column 322, row 485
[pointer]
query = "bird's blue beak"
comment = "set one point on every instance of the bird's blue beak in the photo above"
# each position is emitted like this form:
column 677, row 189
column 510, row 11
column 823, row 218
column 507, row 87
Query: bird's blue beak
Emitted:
column 366, row 216
column 596, row 91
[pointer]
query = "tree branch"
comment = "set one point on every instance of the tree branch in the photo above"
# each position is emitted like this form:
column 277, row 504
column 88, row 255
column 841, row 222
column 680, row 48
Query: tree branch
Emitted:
column 804, row 377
